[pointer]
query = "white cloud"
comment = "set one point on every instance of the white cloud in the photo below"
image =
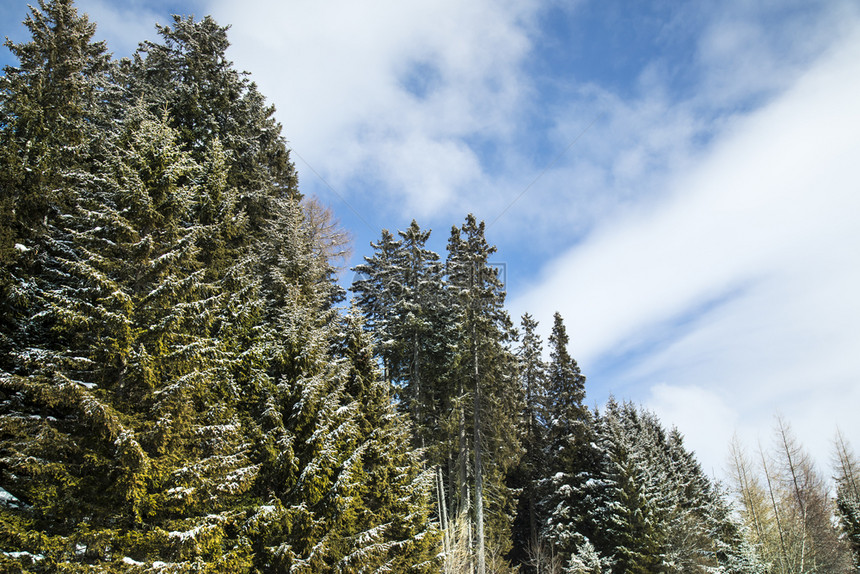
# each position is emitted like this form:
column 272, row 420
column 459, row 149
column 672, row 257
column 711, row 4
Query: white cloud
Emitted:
column 343, row 76
column 698, row 412
column 730, row 59
column 767, row 219
column 753, row 48
column 623, row 150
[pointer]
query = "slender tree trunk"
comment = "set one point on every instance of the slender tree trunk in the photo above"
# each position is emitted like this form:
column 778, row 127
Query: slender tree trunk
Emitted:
column 465, row 502
column 479, row 471
column 479, row 508
column 530, row 442
column 463, row 455
column 452, row 484
column 443, row 515
column 784, row 555
column 789, row 447
column 416, row 383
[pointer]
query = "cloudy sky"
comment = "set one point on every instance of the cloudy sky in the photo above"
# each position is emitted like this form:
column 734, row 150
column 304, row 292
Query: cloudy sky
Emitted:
column 680, row 180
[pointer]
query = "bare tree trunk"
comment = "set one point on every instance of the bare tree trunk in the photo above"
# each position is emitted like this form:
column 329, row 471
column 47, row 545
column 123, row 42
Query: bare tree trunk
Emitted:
column 463, row 454
column 784, row 555
column 792, row 453
column 530, row 440
column 416, row 382
column 848, row 465
column 462, row 461
column 452, row 485
column 479, row 471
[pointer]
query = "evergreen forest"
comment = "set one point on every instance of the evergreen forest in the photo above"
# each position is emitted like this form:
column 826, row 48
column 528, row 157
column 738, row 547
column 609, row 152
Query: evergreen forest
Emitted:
column 185, row 386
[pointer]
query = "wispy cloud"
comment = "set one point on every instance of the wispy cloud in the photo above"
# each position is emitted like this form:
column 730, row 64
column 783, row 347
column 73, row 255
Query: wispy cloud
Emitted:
column 755, row 248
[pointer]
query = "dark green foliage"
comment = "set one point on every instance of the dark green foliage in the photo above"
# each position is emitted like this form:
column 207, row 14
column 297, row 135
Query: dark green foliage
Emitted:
column 443, row 339
column 176, row 385
column 487, row 385
column 51, row 110
column 401, row 293
column 209, row 100
column 527, row 528
column 50, row 115
column 336, row 454
column 570, row 457
column 424, row 333
column 567, row 415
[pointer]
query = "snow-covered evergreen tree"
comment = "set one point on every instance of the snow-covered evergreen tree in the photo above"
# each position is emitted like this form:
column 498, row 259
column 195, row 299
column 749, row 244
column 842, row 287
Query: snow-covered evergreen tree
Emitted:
column 378, row 288
column 180, row 392
column 586, row 560
column 394, row 521
column 423, row 332
column 50, row 116
column 570, row 459
column 529, row 545
column 349, row 489
column 653, row 509
column 848, row 494
column 487, row 386
column 400, row 290
column 52, row 107
column 189, row 74
column 631, row 520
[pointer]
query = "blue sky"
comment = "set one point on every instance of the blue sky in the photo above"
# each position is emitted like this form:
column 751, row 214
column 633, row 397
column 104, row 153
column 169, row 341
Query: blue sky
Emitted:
column 679, row 180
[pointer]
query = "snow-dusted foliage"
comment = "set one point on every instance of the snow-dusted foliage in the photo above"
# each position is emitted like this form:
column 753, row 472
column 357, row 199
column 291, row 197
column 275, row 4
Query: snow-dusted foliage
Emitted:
column 178, row 392
column 183, row 390
column 401, row 293
column 646, row 505
column 529, row 545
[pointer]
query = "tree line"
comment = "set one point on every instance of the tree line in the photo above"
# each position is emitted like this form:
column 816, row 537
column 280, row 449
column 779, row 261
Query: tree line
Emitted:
column 184, row 386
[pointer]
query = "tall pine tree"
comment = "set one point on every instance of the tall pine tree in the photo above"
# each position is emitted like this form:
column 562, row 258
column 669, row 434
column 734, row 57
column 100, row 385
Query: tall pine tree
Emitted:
column 569, row 453
column 50, row 116
column 487, row 388
column 530, row 547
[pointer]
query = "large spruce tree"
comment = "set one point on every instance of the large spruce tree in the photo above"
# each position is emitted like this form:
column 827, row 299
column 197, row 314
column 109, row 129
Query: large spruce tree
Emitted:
column 569, row 455
column 50, row 120
column 401, row 292
column 178, row 390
